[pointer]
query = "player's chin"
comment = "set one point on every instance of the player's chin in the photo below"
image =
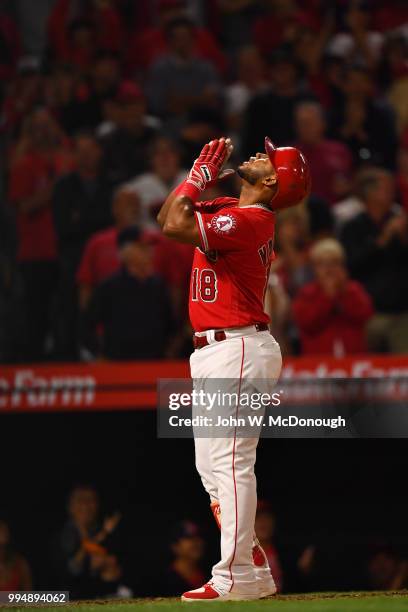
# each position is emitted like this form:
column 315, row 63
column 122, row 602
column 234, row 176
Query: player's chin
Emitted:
column 243, row 172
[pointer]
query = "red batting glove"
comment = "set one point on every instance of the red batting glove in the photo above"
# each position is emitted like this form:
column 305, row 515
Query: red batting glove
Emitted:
column 206, row 168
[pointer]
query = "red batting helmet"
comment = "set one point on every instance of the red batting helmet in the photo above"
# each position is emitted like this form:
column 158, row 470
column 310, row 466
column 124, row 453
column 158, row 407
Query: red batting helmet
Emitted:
column 292, row 172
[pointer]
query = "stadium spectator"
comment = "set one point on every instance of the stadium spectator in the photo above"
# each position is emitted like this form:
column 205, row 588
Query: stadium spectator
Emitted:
column 86, row 553
column 280, row 24
column 358, row 43
column 292, row 247
column 185, row 571
column 251, row 80
column 132, row 306
column 376, row 243
column 348, row 208
column 15, row 572
column 171, row 260
column 386, row 570
column 329, row 160
column 153, row 187
column 40, row 155
column 100, row 258
column 272, row 112
column 126, row 147
column 265, row 527
column 23, row 94
column 78, row 31
column 364, row 122
column 81, row 205
column 149, row 44
column 77, row 104
column 178, row 81
column 332, row 311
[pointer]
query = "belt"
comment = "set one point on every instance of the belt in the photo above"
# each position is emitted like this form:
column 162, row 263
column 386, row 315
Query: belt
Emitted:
column 202, row 341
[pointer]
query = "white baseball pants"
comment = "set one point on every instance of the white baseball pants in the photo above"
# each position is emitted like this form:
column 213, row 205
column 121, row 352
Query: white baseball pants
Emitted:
column 226, row 465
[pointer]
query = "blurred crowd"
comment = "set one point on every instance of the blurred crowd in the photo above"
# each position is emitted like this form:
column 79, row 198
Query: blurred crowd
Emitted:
column 104, row 106
column 89, row 557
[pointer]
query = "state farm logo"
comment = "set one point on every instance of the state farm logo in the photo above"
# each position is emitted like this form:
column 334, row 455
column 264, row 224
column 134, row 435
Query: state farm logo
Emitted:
column 224, row 224
column 28, row 389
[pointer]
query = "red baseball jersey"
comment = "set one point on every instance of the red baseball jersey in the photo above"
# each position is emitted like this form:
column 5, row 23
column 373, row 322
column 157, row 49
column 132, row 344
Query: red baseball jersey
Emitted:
column 231, row 269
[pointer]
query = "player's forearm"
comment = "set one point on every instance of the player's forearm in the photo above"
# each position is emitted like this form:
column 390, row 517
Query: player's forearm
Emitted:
column 180, row 222
column 163, row 212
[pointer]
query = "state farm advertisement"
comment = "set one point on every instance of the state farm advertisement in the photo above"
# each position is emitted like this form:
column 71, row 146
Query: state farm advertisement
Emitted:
column 133, row 386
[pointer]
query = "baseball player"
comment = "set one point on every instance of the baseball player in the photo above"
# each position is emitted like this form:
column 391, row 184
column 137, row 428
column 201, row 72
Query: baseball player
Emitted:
column 234, row 250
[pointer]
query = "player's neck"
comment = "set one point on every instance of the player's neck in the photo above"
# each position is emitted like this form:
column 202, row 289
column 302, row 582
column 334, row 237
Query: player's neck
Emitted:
column 250, row 195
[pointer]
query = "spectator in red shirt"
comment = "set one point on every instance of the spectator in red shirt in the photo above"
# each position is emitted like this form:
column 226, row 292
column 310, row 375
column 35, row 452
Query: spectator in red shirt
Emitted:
column 280, row 25
column 76, row 36
column 149, row 45
column 332, row 311
column 330, row 161
column 101, row 258
column 171, row 261
column 40, row 156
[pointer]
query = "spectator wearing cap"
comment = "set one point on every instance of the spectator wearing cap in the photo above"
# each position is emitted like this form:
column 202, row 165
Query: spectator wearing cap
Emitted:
column 330, row 161
column 332, row 311
column 185, row 571
column 179, row 80
column 272, row 112
column 41, row 155
column 81, row 206
column 133, row 306
column 376, row 243
column 126, row 147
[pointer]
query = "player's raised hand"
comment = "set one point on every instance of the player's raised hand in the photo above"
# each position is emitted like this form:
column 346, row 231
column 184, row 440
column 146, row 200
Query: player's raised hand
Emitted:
column 207, row 168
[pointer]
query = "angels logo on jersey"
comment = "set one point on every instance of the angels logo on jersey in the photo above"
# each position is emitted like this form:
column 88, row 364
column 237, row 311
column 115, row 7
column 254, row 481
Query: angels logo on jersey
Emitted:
column 224, row 224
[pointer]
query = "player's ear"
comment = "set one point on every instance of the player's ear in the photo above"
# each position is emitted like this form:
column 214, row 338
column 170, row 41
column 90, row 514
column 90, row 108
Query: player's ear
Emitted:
column 269, row 181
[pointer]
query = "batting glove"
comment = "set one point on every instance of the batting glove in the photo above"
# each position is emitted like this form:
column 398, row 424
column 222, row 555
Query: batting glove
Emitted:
column 207, row 168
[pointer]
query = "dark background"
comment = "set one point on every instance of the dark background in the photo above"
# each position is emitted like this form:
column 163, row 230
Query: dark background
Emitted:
column 341, row 495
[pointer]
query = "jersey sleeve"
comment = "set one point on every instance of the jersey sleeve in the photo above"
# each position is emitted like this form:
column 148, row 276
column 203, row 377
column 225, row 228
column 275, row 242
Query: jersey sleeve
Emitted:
column 226, row 230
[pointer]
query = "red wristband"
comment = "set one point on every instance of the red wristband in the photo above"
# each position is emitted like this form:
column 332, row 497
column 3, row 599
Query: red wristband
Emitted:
column 189, row 190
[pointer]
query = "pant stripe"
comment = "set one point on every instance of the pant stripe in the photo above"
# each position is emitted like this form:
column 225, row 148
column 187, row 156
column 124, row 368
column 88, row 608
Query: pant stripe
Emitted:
column 233, row 467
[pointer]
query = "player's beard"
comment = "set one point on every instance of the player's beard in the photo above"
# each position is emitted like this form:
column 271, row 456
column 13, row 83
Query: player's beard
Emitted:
column 246, row 176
